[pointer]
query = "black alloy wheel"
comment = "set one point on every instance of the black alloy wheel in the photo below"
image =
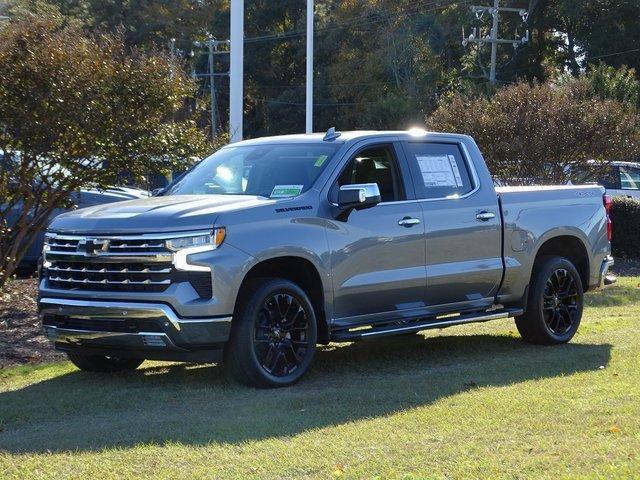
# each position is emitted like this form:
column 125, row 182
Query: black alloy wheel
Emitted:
column 560, row 302
column 282, row 335
column 554, row 306
column 273, row 334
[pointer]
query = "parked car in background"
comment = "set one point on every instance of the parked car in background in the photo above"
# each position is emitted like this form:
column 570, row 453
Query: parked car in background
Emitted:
column 271, row 246
column 623, row 180
column 81, row 199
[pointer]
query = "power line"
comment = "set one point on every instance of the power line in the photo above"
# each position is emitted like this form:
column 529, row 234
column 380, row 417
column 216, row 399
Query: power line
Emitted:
column 320, row 104
column 633, row 50
column 595, row 57
column 328, row 85
column 416, row 9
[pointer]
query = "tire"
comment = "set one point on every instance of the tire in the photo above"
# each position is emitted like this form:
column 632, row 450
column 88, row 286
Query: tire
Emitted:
column 270, row 345
column 554, row 306
column 103, row 363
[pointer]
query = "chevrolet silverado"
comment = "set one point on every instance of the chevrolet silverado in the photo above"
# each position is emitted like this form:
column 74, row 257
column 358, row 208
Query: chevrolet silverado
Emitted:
column 272, row 246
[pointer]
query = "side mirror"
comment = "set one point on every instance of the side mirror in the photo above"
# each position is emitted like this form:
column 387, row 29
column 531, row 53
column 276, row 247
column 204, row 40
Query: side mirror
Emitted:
column 157, row 191
column 357, row 197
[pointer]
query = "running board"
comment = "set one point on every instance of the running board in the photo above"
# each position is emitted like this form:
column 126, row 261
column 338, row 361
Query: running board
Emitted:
column 432, row 323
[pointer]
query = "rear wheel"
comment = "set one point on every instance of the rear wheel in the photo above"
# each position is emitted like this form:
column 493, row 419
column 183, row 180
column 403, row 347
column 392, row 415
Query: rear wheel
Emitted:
column 273, row 337
column 103, row 363
column 554, row 307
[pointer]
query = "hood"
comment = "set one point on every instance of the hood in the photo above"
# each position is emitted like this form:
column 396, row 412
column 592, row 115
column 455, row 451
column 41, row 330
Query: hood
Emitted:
column 156, row 214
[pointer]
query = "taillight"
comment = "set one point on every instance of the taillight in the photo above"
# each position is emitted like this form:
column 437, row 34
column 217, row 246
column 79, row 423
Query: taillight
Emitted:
column 608, row 202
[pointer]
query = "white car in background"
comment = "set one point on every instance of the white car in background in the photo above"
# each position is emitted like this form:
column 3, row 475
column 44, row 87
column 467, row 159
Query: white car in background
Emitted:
column 622, row 179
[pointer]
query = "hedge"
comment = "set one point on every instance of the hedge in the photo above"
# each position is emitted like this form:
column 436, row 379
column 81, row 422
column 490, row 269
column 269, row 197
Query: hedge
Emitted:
column 625, row 214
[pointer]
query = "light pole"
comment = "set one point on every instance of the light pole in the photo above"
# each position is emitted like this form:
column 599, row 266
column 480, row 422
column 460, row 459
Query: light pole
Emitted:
column 309, row 99
column 236, row 71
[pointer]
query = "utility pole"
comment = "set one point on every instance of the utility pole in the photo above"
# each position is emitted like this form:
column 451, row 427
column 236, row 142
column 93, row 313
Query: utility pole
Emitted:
column 309, row 99
column 236, row 71
column 212, row 88
column 494, row 41
column 493, row 38
column 213, row 46
column 213, row 49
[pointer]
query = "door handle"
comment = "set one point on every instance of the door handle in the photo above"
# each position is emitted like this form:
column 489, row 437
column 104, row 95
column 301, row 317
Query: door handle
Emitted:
column 484, row 216
column 408, row 222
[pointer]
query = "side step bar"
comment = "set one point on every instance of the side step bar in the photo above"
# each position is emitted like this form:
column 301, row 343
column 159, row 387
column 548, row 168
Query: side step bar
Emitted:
column 431, row 323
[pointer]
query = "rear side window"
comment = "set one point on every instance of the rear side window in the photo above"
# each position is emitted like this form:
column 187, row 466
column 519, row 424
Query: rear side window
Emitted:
column 629, row 178
column 440, row 170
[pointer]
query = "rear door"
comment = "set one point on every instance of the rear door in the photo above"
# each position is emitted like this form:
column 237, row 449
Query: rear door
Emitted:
column 377, row 254
column 462, row 226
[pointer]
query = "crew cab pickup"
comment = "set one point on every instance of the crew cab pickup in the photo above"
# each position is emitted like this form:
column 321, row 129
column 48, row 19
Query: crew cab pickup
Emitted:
column 271, row 246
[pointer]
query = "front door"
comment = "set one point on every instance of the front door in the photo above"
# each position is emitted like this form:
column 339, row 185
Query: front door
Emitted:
column 462, row 227
column 377, row 254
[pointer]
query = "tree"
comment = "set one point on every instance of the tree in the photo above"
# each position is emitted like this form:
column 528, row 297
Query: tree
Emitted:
column 536, row 134
column 78, row 111
column 606, row 82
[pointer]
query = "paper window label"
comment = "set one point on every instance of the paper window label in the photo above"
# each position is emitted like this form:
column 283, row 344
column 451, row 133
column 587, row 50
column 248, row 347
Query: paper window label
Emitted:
column 320, row 161
column 439, row 171
column 284, row 191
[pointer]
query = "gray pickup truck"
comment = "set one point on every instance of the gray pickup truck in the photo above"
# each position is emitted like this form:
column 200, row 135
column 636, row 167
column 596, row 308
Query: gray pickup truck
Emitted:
column 272, row 246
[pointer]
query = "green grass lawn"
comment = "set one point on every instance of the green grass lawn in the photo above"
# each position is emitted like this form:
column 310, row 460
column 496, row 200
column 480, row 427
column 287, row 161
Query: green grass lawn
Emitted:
column 466, row 402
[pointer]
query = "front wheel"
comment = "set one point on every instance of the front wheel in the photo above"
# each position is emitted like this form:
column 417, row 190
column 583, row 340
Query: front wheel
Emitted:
column 273, row 337
column 554, row 307
column 103, row 363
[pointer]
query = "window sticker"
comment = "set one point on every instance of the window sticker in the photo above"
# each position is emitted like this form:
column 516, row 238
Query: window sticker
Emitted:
column 320, row 161
column 284, row 191
column 456, row 171
column 439, row 171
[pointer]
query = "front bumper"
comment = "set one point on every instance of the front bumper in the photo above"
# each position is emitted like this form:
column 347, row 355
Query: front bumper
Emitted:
column 132, row 329
column 605, row 277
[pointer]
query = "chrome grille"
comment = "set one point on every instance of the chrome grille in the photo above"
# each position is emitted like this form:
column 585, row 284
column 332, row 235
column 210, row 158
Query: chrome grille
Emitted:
column 108, row 263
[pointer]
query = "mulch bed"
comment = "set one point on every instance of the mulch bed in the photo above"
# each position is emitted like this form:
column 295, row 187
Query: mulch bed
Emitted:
column 21, row 337
column 22, row 340
column 627, row 268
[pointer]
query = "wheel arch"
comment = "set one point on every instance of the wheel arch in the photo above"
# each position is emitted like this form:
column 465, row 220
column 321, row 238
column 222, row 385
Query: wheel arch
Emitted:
column 301, row 271
column 570, row 246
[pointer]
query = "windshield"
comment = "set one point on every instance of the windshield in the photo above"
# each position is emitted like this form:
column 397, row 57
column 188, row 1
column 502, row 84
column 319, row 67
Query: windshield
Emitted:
column 273, row 171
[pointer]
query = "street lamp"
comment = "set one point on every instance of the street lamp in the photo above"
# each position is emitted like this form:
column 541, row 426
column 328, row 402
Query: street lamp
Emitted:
column 309, row 99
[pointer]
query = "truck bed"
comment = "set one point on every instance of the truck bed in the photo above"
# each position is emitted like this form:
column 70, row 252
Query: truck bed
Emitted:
column 533, row 214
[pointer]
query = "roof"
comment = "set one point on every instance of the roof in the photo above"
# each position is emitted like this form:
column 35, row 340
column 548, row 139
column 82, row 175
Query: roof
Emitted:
column 344, row 137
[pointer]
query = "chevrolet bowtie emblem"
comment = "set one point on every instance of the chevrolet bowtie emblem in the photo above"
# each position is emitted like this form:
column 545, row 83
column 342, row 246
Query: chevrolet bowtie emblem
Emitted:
column 92, row 246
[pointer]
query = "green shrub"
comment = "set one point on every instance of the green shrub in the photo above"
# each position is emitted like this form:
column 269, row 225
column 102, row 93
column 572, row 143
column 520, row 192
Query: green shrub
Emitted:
column 625, row 215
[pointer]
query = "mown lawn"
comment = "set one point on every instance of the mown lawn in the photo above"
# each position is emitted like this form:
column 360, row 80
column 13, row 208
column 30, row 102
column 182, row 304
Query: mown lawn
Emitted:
column 467, row 402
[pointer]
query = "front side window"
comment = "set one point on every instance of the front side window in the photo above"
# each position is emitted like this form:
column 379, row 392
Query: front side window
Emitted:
column 375, row 165
column 629, row 178
column 440, row 169
column 273, row 171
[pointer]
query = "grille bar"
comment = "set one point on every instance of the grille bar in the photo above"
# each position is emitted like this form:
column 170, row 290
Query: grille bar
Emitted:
column 105, row 270
column 143, row 245
column 108, row 257
column 105, row 281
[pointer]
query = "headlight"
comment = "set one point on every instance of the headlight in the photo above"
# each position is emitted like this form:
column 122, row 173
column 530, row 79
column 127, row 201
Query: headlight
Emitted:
column 198, row 243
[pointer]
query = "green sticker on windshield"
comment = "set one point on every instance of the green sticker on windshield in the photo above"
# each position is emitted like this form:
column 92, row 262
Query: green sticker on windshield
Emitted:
column 283, row 191
column 320, row 161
